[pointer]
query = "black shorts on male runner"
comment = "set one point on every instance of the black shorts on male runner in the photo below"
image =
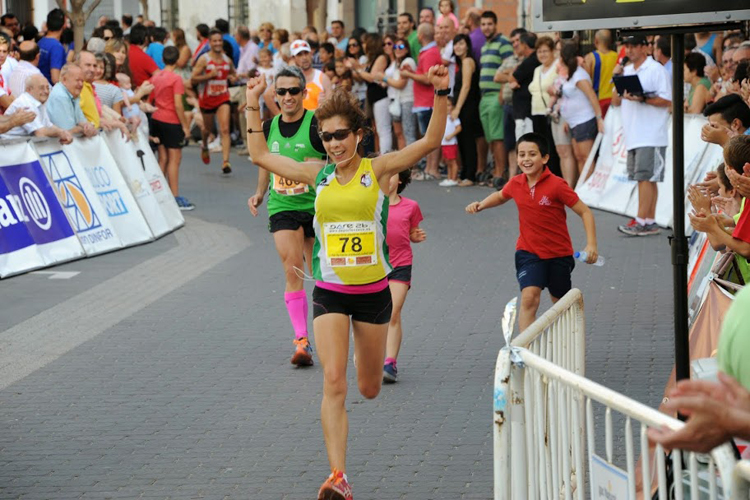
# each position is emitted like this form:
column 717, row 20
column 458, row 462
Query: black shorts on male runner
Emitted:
column 290, row 220
column 374, row 308
column 211, row 111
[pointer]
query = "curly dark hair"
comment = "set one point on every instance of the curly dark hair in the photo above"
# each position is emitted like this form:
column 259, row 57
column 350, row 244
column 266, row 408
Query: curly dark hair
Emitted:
column 343, row 103
column 404, row 179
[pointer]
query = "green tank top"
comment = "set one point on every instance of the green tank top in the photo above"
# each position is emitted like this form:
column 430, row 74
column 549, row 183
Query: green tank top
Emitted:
column 287, row 195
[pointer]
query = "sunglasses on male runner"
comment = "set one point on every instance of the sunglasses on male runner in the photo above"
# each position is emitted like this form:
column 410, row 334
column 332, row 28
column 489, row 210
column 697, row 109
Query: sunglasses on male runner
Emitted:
column 292, row 91
column 339, row 135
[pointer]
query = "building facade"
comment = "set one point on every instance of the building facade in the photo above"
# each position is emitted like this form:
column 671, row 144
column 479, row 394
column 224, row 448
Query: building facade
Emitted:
column 373, row 15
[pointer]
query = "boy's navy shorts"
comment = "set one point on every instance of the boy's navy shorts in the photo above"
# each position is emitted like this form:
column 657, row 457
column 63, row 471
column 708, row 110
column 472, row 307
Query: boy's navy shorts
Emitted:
column 553, row 274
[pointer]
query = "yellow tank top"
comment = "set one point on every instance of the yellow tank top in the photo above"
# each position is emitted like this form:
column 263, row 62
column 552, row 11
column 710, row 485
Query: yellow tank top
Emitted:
column 604, row 66
column 350, row 228
column 314, row 89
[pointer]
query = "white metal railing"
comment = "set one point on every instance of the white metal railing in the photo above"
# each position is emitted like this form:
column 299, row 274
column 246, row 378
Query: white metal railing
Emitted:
column 545, row 439
column 741, row 481
column 559, row 335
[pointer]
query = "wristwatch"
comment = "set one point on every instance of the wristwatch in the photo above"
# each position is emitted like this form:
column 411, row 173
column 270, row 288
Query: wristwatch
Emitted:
column 443, row 92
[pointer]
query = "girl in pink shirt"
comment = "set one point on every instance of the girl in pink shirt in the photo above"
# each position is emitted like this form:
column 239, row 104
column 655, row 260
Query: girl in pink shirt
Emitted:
column 403, row 229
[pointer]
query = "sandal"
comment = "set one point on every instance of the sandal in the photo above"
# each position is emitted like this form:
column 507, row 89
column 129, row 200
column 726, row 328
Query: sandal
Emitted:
column 466, row 183
column 418, row 176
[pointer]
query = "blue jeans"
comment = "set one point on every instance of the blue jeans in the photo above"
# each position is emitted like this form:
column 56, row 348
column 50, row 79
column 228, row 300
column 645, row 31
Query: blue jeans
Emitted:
column 423, row 119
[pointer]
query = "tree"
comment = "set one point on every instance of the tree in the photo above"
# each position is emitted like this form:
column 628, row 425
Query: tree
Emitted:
column 78, row 17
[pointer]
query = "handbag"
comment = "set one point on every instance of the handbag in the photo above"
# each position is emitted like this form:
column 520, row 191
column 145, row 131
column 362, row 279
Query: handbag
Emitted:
column 394, row 108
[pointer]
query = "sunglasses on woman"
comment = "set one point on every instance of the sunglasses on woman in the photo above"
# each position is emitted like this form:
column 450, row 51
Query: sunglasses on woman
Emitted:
column 399, row 46
column 353, row 45
column 292, row 91
column 339, row 135
column 388, row 44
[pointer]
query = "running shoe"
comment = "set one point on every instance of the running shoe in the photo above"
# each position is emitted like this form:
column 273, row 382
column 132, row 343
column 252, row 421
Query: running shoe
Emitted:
column 639, row 230
column 390, row 373
column 624, row 227
column 336, row 487
column 184, row 204
column 205, row 155
column 227, row 168
column 215, row 145
column 303, row 355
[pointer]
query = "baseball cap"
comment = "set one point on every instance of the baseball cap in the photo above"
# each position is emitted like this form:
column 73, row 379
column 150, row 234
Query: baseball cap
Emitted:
column 635, row 40
column 299, row 46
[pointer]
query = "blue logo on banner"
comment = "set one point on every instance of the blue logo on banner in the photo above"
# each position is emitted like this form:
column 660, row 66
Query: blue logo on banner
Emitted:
column 72, row 195
column 109, row 196
column 29, row 210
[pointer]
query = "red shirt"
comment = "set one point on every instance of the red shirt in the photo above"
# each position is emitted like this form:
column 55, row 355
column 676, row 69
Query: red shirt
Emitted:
column 541, row 214
column 167, row 84
column 742, row 229
column 215, row 92
column 423, row 94
column 141, row 65
column 402, row 217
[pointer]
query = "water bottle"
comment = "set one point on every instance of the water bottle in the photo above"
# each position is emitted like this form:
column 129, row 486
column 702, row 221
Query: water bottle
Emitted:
column 582, row 257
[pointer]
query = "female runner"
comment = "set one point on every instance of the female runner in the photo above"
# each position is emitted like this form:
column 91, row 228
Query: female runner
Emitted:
column 350, row 256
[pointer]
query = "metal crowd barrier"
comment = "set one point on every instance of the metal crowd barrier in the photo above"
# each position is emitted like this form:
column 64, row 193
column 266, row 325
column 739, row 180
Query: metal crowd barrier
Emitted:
column 741, row 481
column 545, row 428
column 559, row 334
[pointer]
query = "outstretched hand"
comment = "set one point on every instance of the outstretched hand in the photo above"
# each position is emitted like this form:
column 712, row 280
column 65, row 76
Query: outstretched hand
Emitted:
column 255, row 88
column 253, row 203
column 417, row 235
column 439, row 77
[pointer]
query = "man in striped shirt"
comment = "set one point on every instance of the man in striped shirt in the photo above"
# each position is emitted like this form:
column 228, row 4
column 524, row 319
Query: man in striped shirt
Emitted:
column 496, row 49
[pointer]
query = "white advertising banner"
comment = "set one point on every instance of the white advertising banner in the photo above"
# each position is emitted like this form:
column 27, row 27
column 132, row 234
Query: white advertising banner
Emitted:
column 90, row 157
column 76, row 194
column 131, row 168
column 159, row 185
column 34, row 228
column 608, row 187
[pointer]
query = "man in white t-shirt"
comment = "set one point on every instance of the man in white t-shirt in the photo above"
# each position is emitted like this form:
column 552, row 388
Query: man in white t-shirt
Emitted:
column 444, row 34
column 33, row 99
column 645, row 132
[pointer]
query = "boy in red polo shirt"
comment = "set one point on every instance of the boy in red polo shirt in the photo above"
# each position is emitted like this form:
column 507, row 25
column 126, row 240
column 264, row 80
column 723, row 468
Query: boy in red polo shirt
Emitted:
column 544, row 252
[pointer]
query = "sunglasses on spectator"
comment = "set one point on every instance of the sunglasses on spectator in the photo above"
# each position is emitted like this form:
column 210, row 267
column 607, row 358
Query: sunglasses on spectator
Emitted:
column 339, row 135
column 388, row 43
column 107, row 38
column 292, row 91
column 399, row 46
column 353, row 45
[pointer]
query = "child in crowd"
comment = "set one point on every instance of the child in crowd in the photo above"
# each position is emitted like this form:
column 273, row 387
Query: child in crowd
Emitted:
column 544, row 251
column 343, row 75
column 131, row 110
column 403, row 229
column 169, row 123
column 736, row 160
column 265, row 68
column 449, row 148
column 330, row 70
column 446, row 9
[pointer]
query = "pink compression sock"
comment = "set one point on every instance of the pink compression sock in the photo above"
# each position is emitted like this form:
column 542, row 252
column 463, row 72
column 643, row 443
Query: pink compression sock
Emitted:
column 389, row 360
column 296, row 305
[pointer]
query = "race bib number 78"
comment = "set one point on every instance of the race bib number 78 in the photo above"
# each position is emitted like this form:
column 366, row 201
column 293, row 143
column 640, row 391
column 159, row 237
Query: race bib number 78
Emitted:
column 350, row 243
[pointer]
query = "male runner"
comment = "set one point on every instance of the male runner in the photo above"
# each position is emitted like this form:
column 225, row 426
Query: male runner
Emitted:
column 291, row 205
column 212, row 74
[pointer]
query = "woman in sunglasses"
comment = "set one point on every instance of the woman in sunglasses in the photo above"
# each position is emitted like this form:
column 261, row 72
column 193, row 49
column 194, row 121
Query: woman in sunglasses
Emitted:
column 354, row 51
column 401, row 91
column 350, row 255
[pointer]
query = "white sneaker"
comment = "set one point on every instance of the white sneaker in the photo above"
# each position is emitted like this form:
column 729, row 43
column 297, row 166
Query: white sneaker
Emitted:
column 448, row 183
column 215, row 145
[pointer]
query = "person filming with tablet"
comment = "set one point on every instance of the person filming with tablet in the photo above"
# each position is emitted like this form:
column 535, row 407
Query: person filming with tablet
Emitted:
column 644, row 121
